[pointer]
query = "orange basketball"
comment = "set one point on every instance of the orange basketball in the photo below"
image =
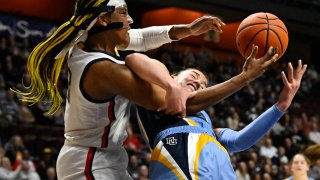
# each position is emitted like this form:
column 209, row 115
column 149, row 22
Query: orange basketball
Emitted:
column 264, row 30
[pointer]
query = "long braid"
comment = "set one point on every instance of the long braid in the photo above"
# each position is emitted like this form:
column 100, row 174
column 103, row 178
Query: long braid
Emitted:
column 43, row 68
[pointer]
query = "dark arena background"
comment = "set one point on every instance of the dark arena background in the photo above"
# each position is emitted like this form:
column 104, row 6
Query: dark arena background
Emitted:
column 29, row 136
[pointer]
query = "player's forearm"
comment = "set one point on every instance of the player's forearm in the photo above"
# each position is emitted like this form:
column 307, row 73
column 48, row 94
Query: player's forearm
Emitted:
column 214, row 94
column 178, row 32
column 150, row 70
column 235, row 141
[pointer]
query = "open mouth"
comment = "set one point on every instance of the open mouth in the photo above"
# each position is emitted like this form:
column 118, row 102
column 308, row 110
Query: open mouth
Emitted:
column 193, row 87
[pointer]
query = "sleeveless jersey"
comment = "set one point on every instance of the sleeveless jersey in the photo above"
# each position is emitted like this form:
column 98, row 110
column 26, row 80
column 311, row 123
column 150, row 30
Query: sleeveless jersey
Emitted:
column 88, row 122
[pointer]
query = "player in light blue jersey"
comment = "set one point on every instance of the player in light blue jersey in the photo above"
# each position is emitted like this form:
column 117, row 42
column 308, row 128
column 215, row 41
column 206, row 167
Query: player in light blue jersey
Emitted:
column 188, row 148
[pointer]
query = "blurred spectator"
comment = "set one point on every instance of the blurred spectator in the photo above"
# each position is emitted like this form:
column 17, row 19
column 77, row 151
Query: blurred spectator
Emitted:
column 143, row 172
column 10, row 73
column 133, row 141
column 3, row 92
column 14, row 148
column 233, row 118
column 26, row 116
column 133, row 166
column 242, row 172
column 10, row 107
column 26, row 173
column 26, row 157
column 314, row 134
column 47, row 160
column 6, row 172
column 282, row 158
column 315, row 170
column 313, row 153
column 284, row 172
column 291, row 149
column 266, row 176
column 51, row 173
column 268, row 150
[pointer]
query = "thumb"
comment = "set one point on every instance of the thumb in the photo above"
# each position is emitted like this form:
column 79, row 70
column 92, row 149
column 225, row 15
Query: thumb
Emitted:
column 183, row 113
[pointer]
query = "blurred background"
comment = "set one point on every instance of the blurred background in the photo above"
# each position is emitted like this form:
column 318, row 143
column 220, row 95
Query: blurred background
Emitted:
column 31, row 139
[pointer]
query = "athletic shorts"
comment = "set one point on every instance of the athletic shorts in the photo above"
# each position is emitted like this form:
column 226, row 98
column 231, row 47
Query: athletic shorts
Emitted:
column 190, row 156
column 83, row 163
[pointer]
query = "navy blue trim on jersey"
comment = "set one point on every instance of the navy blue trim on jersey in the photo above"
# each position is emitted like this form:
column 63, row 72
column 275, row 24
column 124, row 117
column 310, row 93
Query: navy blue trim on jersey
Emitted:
column 182, row 129
column 85, row 95
column 99, row 51
column 158, row 125
column 154, row 122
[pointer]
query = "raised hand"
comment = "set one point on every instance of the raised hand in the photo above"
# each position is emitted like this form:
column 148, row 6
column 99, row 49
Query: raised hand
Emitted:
column 254, row 68
column 291, row 85
column 205, row 24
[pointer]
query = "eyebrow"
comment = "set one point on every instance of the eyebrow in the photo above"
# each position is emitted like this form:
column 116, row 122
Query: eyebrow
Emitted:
column 198, row 75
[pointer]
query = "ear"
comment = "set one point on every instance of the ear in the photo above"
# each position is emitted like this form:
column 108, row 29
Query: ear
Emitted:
column 103, row 20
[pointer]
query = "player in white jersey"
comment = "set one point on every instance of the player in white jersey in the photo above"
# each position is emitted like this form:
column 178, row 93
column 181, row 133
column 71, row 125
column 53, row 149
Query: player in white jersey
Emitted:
column 97, row 111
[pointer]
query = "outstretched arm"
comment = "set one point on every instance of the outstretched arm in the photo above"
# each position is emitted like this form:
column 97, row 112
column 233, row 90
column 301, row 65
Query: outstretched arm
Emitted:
column 155, row 36
column 236, row 141
column 252, row 69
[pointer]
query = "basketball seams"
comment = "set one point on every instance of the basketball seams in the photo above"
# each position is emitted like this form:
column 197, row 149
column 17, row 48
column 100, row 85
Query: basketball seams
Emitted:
column 276, row 25
column 249, row 25
column 253, row 37
column 266, row 18
column 278, row 39
column 267, row 35
column 255, row 24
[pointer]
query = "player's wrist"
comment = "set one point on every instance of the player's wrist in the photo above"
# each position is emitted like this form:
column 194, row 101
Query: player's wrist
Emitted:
column 245, row 78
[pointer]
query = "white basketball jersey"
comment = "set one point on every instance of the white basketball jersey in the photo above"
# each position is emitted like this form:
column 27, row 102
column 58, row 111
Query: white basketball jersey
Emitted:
column 88, row 122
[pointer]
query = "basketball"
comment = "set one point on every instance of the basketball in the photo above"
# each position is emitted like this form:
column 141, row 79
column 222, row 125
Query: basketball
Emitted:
column 264, row 30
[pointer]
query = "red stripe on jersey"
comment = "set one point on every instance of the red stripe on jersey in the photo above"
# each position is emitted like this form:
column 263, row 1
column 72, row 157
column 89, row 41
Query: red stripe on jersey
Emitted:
column 89, row 161
column 104, row 140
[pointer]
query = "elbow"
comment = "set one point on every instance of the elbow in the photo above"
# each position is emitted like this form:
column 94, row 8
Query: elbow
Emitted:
column 131, row 57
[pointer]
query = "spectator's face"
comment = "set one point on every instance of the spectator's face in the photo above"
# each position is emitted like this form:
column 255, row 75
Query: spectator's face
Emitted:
column 286, row 169
column 281, row 151
column 144, row 171
column 269, row 143
column 192, row 79
column 299, row 163
column 134, row 160
column 251, row 164
column 51, row 173
column 6, row 163
column 18, row 141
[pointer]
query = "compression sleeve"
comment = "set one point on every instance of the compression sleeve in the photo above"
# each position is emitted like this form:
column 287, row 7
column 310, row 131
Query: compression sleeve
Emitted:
column 235, row 141
column 148, row 38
